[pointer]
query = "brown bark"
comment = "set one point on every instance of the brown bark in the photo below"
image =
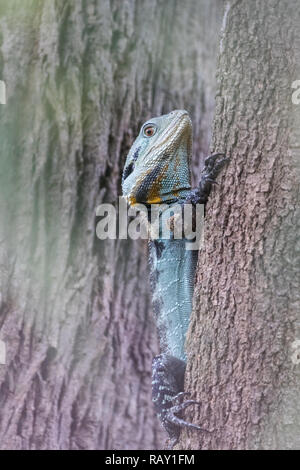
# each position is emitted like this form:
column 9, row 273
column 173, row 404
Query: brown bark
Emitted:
column 81, row 77
column 242, row 363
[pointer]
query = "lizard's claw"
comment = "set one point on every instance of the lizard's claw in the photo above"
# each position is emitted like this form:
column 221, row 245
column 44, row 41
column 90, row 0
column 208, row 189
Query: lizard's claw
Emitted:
column 210, row 161
column 210, row 180
column 172, row 418
column 212, row 167
column 177, row 400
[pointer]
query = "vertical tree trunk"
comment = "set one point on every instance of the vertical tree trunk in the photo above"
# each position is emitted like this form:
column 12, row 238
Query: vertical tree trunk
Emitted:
column 81, row 76
column 243, row 364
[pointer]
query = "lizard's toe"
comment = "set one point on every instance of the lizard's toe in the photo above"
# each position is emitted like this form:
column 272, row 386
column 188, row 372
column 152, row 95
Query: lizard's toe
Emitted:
column 172, row 418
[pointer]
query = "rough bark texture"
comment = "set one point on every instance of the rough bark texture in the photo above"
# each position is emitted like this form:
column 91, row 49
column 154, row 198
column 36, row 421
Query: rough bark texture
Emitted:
column 243, row 365
column 81, row 77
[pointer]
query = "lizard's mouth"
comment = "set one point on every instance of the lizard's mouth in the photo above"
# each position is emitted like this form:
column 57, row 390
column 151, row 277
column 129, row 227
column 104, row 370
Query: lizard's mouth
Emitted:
column 128, row 170
column 130, row 167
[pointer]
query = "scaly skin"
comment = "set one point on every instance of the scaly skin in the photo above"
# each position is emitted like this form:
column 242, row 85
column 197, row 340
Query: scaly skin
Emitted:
column 157, row 172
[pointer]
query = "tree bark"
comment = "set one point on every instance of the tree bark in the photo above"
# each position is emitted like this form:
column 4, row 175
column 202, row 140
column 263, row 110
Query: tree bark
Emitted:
column 244, row 335
column 81, row 76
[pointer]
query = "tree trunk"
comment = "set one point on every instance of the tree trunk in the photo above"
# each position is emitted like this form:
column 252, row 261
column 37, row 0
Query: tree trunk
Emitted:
column 75, row 317
column 244, row 335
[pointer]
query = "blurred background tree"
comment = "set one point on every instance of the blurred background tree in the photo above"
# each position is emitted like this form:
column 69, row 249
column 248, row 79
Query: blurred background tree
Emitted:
column 75, row 315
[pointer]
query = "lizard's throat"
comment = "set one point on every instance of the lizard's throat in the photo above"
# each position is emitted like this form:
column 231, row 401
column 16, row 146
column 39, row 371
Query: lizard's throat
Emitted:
column 166, row 183
column 169, row 197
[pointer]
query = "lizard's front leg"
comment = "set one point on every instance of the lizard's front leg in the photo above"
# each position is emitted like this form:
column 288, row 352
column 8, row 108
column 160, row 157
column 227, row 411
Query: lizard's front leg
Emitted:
column 212, row 166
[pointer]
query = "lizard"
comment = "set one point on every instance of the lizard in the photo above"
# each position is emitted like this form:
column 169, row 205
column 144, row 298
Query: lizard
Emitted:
column 157, row 172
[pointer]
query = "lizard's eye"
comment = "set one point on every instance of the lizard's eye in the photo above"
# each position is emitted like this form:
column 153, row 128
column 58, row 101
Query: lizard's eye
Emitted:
column 149, row 130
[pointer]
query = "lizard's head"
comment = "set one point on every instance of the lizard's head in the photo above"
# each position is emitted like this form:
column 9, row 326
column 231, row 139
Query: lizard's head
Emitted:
column 157, row 166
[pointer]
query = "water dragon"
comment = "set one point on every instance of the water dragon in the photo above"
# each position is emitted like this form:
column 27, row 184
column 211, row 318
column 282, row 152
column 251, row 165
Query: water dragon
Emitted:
column 157, row 172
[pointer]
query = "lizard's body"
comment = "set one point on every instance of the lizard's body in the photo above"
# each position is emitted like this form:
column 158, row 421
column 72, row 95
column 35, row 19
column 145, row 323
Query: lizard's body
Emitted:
column 157, row 172
column 172, row 270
